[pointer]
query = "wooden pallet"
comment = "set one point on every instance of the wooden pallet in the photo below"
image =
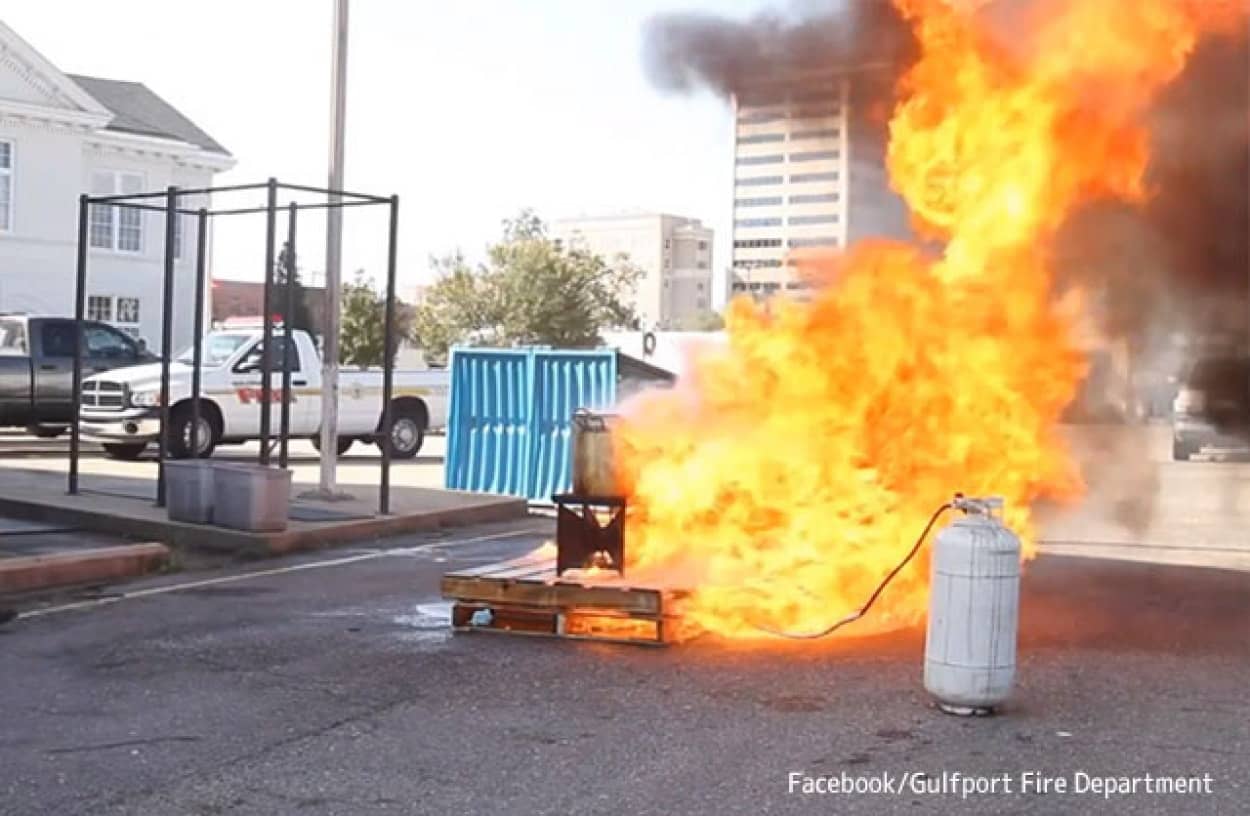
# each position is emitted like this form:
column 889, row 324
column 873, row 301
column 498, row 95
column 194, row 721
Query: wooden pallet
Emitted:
column 523, row 596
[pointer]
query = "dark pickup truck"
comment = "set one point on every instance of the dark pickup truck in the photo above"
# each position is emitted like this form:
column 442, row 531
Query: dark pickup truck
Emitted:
column 37, row 367
column 1212, row 407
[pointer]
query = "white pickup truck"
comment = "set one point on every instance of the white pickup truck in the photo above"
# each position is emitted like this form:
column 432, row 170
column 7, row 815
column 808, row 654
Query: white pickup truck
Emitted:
column 121, row 408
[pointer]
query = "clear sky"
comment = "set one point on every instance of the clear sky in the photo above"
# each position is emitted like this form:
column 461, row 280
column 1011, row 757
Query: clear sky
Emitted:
column 468, row 110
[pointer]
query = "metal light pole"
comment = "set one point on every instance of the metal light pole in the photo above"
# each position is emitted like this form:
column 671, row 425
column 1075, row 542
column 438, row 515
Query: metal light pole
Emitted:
column 334, row 258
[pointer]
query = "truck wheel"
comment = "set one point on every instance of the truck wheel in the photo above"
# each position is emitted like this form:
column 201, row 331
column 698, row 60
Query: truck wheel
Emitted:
column 127, row 452
column 407, row 434
column 46, row 431
column 1182, row 451
column 178, row 445
column 343, row 446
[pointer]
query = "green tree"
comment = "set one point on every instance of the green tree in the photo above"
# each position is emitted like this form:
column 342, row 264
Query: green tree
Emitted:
column 362, row 329
column 286, row 269
column 532, row 290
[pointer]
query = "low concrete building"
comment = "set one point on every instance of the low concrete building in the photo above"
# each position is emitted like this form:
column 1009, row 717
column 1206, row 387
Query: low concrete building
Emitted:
column 670, row 351
column 673, row 252
column 244, row 299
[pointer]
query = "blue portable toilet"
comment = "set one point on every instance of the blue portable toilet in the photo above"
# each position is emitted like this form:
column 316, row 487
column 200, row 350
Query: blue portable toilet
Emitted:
column 509, row 423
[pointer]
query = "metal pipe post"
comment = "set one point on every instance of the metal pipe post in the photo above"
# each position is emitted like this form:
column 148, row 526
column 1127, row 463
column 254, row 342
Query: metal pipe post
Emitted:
column 288, row 318
column 197, row 338
column 334, row 253
column 266, row 354
column 80, row 307
column 388, row 361
column 167, row 340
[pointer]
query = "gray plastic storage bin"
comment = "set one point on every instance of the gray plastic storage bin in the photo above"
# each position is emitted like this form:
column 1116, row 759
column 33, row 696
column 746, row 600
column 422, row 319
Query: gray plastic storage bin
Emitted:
column 189, row 491
column 251, row 497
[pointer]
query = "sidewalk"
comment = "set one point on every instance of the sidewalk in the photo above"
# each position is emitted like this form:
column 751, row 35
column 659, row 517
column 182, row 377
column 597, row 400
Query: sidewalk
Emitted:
column 119, row 497
column 35, row 556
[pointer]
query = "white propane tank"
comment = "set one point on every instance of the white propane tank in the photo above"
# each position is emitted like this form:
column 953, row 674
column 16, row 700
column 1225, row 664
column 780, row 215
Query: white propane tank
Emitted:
column 974, row 611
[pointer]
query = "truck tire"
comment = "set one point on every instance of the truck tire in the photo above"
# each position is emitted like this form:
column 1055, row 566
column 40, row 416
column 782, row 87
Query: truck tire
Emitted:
column 344, row 443
column 1182, row 451
column 125, row 451
column 178, row 445
column 46, row 431
column 407, row 433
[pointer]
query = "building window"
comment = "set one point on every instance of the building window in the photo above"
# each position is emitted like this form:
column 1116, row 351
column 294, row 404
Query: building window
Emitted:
column 757, row 222
column 112, row 227
column 702, row 246
column 815, row 134
column 814, row 198
column 762, row 138
column 801, row 177
column 178, row 236
column 823, row 96
column 128, row 315
column 758, row 181
column 6, row 186
column 100, row 307
column 759, row 117
column 827, row 218
column 701, row 264
column 814, row 155
column 757, row 243
column 816, row 241
column 753, row 263
column 101, row 227
column 815, row 112
column 766, row 201
column 771, row 159
column 122, row 312
column 700, row 286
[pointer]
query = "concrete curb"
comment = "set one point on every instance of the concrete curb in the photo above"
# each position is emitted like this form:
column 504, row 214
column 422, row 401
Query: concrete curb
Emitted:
column 32, row 572
column 260, row 545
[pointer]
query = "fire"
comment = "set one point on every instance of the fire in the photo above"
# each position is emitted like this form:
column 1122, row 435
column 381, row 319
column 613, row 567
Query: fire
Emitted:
column 792, row 470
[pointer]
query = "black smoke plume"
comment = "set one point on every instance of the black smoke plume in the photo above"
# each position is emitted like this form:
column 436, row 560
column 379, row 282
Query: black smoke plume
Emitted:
column 759, row 57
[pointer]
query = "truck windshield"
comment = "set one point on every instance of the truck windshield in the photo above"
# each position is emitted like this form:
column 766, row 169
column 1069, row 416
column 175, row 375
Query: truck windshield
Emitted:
column 217, row 349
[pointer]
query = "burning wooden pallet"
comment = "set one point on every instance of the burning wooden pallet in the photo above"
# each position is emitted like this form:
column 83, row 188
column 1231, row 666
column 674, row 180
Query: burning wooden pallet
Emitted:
column 525, row 597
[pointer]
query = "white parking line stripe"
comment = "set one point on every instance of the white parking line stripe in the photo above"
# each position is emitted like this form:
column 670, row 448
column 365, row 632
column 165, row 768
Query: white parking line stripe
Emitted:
column 245, row 576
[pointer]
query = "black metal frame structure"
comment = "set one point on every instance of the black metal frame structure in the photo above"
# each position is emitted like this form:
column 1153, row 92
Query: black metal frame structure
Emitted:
column 171, row 209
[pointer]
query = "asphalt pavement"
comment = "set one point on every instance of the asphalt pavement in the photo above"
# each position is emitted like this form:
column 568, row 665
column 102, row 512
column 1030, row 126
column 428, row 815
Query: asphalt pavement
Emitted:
column 329, row 684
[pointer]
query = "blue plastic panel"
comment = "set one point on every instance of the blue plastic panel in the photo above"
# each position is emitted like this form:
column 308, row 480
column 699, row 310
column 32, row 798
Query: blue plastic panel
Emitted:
column 509, row 421
column 563, row 382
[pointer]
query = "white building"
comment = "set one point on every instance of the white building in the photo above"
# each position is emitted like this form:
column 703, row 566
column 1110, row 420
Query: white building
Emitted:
column 808, row 172
column 61, row 136
column 674, row 254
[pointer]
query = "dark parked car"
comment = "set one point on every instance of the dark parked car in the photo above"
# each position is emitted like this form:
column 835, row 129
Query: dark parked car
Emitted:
column 1212, row 407
column 37, row 367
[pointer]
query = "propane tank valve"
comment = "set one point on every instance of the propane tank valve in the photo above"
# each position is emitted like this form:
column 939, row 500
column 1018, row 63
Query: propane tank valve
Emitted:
column 988, row 506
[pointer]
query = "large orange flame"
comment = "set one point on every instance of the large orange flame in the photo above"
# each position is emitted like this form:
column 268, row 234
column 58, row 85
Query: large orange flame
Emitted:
column 787, row 475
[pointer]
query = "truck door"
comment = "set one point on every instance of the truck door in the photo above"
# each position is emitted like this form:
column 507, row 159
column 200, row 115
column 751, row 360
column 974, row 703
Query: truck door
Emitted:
column 52, row 367
column 245, row 382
